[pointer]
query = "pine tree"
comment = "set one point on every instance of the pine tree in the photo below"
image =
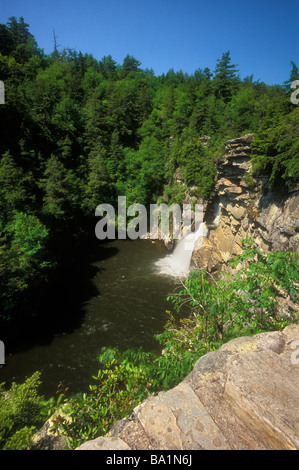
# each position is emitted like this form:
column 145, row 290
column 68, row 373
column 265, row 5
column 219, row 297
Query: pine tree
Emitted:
column 23, row 44
column 225, row 79
column 55, row 189
column 130, row 64
column 108, row 67
column 294, row 75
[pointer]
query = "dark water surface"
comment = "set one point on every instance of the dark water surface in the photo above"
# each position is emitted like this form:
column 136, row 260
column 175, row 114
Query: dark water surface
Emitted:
column 112, row 298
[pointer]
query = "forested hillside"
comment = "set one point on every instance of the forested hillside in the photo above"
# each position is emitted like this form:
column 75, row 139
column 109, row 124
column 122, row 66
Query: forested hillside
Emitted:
column 77, row 131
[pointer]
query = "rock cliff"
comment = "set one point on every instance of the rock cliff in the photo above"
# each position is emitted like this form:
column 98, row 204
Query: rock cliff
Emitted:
column 247, row 208
column 243, row 396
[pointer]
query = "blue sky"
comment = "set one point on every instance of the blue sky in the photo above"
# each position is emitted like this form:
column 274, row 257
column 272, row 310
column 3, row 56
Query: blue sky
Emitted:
column 262, row 35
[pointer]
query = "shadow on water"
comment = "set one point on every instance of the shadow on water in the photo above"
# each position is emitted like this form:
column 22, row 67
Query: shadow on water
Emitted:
column 57, row 307
column 56, row 311
column 62, row 305
column 107, row 295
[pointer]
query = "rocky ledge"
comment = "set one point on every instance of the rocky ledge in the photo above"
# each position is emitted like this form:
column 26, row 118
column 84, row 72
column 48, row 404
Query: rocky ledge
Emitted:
column 248, row 207
column 243, row 396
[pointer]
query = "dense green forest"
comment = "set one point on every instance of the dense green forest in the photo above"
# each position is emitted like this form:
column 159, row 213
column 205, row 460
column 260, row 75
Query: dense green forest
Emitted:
column 77, row 131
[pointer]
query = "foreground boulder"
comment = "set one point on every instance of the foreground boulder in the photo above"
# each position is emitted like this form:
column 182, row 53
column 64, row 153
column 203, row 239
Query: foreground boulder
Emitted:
column 243, row 396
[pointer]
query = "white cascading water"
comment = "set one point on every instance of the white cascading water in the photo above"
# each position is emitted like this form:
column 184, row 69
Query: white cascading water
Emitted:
column 178, row 263
column 216, row 214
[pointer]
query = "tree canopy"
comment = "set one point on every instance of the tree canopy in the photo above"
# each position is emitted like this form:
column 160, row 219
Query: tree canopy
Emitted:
column 78, row 131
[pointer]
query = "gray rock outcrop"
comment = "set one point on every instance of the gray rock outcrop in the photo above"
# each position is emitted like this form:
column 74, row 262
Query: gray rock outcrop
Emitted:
column 242, row 396
column 248, row 208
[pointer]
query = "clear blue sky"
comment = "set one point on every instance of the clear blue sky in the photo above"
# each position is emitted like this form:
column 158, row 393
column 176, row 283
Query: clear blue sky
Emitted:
column 262, row 35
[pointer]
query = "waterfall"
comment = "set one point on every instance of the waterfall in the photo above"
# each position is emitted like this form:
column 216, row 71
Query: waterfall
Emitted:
column 216, row 214
column 178, row 263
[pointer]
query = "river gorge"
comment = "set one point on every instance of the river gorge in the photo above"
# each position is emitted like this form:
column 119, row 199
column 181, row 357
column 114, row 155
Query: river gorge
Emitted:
column 113, row 297
column 113, row 293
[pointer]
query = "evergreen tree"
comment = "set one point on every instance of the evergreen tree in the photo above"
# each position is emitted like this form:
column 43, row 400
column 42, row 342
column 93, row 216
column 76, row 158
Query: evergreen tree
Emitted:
column 18, row 41
column 55, row 189
column 108, row 67
column 225, row 79
column 130, row 64
column 13, row 192
column 294, row 75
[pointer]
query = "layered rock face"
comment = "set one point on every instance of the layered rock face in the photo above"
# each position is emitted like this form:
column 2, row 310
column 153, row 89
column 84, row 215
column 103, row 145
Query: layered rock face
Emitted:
column 248, row 208
column 242, row 397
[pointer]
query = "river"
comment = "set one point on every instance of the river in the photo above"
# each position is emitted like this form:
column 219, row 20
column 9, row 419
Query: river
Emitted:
column 111, row 298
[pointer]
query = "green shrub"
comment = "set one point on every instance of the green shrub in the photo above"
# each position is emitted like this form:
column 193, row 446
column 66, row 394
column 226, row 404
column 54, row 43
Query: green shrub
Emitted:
column 20, row 413
column 244, row 303
column 120, row 384
column 275, row 150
